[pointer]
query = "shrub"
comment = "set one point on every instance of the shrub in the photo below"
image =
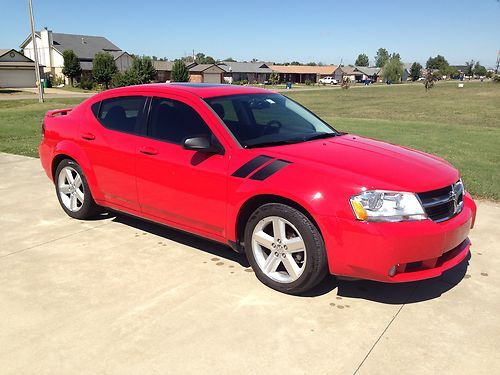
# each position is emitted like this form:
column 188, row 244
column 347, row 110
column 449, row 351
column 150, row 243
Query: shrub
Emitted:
column 86, row 84
column 244, row 82
column 58, row 80
column 496, row 78
column 143, row 69
column 236, row 82
column 274, row 78
column 309, row 82
column 126, row 78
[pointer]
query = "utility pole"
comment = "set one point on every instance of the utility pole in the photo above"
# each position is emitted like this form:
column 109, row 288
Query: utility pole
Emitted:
column 37, row 66
column 498, row 62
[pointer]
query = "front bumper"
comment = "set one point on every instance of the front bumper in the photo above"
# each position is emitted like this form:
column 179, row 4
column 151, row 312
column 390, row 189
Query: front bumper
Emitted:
column 398, row 252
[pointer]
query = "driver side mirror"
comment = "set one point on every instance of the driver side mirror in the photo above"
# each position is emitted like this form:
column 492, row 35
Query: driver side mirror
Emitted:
column 203, row 144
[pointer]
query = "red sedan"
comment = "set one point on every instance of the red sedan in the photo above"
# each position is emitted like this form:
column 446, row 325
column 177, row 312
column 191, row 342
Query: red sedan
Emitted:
column 259, row 172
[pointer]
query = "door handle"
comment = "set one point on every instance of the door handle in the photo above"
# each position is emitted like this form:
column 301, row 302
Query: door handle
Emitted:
column 88, row 136
column 148, row 151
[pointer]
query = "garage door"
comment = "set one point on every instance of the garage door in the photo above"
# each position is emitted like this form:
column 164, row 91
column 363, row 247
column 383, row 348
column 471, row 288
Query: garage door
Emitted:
column 211, row 78
column 17, row 78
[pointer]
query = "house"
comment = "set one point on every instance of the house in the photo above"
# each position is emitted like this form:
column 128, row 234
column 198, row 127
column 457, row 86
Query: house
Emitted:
column 51, row 46
column 347, row 71
column 206, row 73
column 303, row 73
column 164, row 69
column 368, row 73
column 250, row 71
column 16, row 70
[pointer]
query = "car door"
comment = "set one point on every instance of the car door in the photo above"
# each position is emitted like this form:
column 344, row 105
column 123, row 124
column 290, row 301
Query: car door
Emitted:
column 183, row 187
column 110, row 142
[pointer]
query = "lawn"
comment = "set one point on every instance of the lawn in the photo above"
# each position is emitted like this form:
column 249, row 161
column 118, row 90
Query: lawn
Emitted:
column 460, row 124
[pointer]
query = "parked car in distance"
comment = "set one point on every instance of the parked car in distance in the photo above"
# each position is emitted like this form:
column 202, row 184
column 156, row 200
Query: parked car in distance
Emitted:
column 255, row 170
column 328, row 81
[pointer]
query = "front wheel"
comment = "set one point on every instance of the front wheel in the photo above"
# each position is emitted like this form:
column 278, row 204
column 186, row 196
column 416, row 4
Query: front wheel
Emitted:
column 285, row 249
column 73, row 191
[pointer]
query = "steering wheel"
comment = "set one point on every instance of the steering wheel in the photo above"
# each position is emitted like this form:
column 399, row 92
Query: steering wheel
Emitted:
column 272, row 127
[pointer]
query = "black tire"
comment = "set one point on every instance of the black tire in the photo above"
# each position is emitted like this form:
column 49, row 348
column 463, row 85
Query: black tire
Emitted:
column 89, row 208
column 315, row 268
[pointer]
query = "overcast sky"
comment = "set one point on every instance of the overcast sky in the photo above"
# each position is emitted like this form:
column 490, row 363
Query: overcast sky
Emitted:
column 273, row 30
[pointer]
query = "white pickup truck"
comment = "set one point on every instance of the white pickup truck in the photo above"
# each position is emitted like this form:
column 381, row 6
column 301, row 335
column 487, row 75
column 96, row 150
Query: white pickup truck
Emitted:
column 328, row 81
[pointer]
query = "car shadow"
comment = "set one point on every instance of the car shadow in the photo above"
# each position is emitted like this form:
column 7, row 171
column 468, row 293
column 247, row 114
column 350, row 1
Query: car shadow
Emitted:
column 397, row 293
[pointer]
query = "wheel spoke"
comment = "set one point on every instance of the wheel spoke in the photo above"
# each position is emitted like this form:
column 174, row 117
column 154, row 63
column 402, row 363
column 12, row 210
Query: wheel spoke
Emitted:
column 279, row 230
column 79, row 195
column 72, row 202
column 291, row 266
column 264, row 239
column 69, row 176
column 64, row 189
column 271, row 263
column 294, row 244
column 78, row 181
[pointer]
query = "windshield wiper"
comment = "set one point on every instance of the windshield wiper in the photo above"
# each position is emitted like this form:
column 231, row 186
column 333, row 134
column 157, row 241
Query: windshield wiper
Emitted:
column 320, row 136
column 275, row 143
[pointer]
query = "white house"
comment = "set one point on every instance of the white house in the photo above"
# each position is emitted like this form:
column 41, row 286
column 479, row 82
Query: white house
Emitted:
column 50, row 47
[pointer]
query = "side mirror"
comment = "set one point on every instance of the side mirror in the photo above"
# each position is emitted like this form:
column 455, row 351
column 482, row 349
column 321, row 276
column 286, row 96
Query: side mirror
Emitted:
column 203, row 144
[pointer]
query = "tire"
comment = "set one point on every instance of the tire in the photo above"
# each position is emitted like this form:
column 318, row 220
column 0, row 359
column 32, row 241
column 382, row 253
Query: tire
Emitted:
column 73, row 191
column 291, row 259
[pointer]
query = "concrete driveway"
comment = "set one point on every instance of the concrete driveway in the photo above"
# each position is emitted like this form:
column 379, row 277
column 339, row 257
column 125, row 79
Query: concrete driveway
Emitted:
column 121, row 296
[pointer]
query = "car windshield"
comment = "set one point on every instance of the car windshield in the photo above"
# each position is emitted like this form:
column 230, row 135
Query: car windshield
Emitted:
column 258, row 120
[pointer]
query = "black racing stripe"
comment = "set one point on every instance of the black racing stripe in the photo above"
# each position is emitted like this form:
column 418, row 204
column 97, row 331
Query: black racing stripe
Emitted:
column 251, row 166
column 269, row 170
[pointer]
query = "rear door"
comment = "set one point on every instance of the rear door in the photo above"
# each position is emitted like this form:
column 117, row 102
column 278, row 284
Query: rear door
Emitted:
column 183, row 187
column 111, row 143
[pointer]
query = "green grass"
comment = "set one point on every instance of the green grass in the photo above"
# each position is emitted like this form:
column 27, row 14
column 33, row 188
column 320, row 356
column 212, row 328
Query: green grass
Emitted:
column 460, row 125
column 21, row 122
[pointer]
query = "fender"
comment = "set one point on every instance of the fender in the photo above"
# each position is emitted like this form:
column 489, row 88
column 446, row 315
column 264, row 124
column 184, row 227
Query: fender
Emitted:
column 74, row 151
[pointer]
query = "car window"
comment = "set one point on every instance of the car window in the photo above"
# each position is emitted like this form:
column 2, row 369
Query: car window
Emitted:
column 173, row 121
column 121, row 113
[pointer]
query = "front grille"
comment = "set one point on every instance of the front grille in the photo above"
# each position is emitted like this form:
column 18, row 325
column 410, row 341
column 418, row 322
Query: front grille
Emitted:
column 442, row 204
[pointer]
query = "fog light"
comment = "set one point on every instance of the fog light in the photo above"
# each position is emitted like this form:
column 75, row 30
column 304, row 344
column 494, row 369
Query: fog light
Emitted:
column 392, row 271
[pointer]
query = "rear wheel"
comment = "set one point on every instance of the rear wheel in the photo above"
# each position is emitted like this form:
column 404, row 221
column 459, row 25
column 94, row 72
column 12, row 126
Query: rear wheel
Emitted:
column 73, row 191
column 285, row 249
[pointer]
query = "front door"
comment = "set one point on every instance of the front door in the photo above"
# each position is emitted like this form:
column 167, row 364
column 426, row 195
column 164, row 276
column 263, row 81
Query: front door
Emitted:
column 183, row 187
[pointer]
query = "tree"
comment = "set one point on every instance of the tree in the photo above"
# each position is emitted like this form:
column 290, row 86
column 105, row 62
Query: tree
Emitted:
column 126, row 78
column 104, row 67
column 469, row 68
column 415, row 71
column 274, row 78
column 429, row 80
column 229, row 59
column 180, row 72
column 362, row 60
column 381, row 57
column 200, row 58
column 393, row 69
column 479, row 70
column 143, row 69
column 71, row 67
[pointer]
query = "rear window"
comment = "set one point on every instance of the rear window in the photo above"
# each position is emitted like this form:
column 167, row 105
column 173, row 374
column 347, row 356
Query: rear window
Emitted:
column 121, row 113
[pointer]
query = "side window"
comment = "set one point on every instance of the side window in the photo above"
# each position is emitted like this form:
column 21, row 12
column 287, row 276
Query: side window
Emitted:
column 173, row 121
column 121, row 113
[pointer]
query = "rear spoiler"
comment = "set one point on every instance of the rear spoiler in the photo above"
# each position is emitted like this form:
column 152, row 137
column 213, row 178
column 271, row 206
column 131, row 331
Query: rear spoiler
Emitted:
column 58, row 112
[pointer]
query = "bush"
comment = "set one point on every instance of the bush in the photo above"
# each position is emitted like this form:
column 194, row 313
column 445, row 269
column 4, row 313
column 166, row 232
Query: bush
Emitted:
column 496, row 78
column 236, row 83
column 244, row 82
column 126, row 78
column 58, row 80
column 86, row 84
column 309, row 82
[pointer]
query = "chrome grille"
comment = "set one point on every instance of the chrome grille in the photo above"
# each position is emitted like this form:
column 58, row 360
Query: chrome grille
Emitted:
column 442, row 204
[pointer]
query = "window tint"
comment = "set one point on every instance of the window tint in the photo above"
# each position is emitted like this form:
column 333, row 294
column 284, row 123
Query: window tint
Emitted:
column 173, row 121
column 121, row 113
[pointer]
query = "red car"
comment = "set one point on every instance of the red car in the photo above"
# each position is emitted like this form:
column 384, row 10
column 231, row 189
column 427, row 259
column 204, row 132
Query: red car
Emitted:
column 259, row 172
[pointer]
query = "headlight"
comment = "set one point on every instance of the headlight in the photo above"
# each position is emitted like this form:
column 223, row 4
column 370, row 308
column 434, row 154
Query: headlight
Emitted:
column 379, row 205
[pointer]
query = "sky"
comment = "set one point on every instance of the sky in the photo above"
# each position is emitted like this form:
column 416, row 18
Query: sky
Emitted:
column 330, row 32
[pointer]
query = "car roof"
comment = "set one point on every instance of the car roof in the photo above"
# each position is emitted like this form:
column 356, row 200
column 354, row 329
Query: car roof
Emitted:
column 202, row 90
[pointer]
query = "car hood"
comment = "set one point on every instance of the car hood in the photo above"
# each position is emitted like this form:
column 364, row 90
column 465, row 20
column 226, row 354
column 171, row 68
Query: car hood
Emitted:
column 372, row 164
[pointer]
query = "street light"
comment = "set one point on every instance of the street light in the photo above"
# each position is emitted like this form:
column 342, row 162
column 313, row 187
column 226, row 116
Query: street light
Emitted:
column 37, row 66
